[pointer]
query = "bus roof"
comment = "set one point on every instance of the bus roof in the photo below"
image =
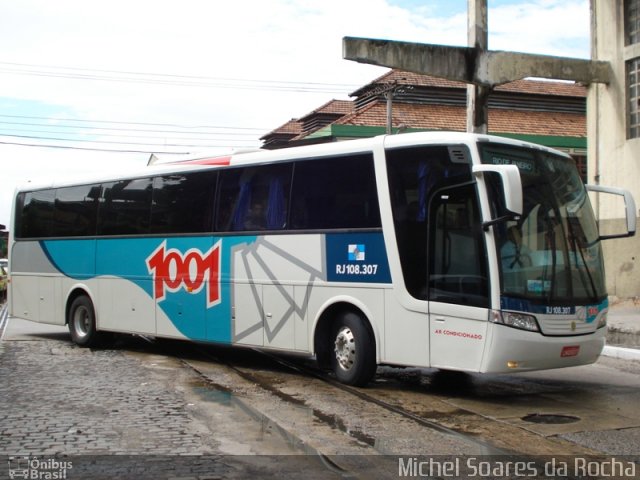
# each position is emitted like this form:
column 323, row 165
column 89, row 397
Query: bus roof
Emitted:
column 192, row 163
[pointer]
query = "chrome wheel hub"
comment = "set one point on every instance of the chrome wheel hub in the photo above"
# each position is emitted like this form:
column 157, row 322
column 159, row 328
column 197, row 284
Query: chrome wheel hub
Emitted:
column 81, row 321
column 345, row 348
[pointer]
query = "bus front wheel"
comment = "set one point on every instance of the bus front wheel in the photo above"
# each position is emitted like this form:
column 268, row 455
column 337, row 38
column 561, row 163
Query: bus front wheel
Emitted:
column 353, row 359
column 82, row 322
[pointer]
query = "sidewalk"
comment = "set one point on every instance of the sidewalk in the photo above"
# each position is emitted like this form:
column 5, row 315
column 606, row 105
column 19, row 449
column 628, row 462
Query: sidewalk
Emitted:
column 623, row 330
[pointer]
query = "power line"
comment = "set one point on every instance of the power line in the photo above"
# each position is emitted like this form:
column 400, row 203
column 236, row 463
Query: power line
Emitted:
column 100, row 127
column 125, row 72
column 192, row 137
column 146, row 127
column 76, row 73
column 31, row 137
column 124, row 122
column 67, row 147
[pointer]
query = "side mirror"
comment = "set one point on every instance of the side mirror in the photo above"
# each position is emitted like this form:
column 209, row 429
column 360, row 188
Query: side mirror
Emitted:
column 630, row 208
column 511, row 184
column 511, row 190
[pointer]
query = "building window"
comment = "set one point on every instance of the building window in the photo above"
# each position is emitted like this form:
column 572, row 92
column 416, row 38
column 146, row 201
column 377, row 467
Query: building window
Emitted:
column 633, row 98
column 631, row 21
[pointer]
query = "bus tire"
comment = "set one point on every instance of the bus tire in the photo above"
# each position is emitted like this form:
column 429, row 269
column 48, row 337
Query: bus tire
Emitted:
column 353, row 359
column 82, row 322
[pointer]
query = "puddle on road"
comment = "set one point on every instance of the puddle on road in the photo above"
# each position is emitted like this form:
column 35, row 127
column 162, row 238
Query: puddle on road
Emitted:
column 211, row 391
column 305, row 418
column 269, row 431
column 337, row 423
column 241, row 429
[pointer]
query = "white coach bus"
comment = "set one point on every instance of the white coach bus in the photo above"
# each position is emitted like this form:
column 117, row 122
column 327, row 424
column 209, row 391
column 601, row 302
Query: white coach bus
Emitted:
column 448, row 250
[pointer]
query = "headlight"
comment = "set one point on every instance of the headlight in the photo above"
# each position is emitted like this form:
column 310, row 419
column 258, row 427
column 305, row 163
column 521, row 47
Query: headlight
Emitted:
column 515, row 320
column 603, row 320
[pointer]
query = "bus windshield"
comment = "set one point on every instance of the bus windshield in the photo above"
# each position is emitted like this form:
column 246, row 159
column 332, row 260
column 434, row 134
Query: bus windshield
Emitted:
column 552, row 253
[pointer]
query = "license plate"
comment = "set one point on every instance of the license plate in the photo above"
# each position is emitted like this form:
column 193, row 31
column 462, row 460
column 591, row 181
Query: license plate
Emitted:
column 570, row 351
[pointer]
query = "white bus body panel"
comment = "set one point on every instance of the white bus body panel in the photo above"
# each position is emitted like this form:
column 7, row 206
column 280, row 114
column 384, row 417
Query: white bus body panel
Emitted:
column 458, row 336
column 511, row 350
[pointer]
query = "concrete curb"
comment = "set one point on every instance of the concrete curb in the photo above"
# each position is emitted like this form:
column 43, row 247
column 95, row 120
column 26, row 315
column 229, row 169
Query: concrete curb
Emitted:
column 621, row 353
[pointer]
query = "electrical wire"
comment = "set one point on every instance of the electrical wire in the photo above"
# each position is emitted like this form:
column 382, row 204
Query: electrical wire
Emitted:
column 193, row 136
column 31, row 137
column 76, row 73
column 100, row 127
column 68, row 147
column 124, row 122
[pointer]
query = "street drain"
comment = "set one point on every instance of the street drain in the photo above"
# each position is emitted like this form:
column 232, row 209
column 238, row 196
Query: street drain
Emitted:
column 550, row 419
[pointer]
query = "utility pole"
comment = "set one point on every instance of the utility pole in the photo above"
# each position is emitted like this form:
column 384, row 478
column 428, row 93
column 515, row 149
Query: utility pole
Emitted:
column 478, row 40
column 389, row 96
column 480, row 68
column 388, row 91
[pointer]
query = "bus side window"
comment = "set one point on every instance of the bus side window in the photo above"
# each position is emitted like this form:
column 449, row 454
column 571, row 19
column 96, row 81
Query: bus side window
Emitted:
column 183, row 203
column 37, row 214
column 335, row 193
column 254, row 198
column 75, row 211
column 125, row 207
column 457, row 260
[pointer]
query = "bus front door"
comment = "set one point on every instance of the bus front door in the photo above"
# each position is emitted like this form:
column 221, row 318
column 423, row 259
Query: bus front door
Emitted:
column 458, row 287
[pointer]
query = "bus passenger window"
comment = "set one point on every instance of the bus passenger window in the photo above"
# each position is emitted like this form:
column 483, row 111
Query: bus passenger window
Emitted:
column 125, row 207
column 75, row 211
column 335, row 193
column 183, row 202
column 254, row 198
column 37, row 214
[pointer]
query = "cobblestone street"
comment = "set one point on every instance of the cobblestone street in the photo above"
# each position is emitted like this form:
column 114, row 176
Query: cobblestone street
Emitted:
column 104, row 404
column 143, row 409
column 114, row 413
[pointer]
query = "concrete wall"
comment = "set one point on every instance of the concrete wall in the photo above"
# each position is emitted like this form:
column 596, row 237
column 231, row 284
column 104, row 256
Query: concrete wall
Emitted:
column 622, row 261
column 613, row 159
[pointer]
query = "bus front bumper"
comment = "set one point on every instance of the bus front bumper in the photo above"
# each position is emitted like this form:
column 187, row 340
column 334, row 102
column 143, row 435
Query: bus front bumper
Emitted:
column 514, row 350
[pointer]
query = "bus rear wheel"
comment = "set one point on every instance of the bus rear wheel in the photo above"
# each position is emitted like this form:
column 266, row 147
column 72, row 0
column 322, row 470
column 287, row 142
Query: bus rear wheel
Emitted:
column 353, row 360
column 82, row 322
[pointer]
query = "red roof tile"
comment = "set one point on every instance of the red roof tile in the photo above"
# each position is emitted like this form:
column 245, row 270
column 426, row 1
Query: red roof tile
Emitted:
column 296, row 125
column 444, row 117
column 527, row 86
column 447, row 117
column 337, row 107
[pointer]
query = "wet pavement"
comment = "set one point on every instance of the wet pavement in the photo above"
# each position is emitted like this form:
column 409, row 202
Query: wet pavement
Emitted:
column 113, row 410
column 130, row 413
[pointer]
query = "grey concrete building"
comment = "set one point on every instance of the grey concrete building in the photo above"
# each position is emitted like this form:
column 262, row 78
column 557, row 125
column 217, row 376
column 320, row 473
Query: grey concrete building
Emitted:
column 613, row 131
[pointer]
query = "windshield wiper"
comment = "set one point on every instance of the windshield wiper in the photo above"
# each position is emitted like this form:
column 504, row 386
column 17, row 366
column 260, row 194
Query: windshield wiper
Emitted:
column 574, row 247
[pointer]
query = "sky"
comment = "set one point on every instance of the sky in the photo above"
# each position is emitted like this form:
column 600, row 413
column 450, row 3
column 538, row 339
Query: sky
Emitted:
column 90, row 86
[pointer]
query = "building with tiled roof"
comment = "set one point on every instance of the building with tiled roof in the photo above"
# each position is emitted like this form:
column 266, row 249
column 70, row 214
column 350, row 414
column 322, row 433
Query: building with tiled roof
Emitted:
column 295, row 131
column 282, row 135
column 546, row 112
